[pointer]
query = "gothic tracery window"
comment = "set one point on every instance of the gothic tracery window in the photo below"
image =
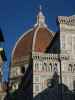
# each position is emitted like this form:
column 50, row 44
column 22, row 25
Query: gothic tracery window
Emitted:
column 70, row 67
column 50, row 67
column 36, row 67
column 46, row 67
column 55, row 68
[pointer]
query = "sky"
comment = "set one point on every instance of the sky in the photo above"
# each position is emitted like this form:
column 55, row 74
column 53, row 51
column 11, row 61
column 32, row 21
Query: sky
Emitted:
column 17, row 16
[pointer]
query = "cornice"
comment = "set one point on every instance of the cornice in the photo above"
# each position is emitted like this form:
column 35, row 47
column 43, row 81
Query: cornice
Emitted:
column 66, row 20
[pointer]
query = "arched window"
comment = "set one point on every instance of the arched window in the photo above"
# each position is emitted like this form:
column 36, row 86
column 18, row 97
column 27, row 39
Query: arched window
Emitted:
column 36, row 67
column 22, row 69
column 70, row 67
column 50, row 67
column 55, row 68
column 44, row 67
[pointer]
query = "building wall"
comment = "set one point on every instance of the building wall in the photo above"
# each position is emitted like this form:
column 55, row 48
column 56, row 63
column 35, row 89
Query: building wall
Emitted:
column 44, row 67
column 43, row 71
column 2, row 92
column 67, row 47
column 16, row 73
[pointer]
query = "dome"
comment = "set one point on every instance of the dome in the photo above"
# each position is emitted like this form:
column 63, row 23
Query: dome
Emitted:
column 36, row 39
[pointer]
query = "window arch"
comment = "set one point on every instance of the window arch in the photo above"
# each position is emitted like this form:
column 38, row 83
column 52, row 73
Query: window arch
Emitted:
column 50, row 67
column 70, row 67
column 55, row 69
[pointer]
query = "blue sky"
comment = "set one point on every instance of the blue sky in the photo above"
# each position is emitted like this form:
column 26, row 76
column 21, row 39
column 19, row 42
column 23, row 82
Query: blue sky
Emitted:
column 17, row 16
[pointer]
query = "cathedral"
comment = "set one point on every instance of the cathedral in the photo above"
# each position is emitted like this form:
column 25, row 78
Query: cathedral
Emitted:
column 49, row 54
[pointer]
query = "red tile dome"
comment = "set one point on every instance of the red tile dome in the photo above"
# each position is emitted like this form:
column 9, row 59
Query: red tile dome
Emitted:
column 36, row 39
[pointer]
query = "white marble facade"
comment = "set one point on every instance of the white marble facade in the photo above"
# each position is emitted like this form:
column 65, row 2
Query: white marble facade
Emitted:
column 44, row 64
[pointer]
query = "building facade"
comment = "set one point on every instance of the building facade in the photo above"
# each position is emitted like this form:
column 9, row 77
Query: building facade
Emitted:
column 50, row 52
column 2, row 60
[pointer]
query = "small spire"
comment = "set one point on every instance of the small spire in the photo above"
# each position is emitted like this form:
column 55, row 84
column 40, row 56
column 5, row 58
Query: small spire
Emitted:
column 40, row 8
column 40, row 17
column 40, row 11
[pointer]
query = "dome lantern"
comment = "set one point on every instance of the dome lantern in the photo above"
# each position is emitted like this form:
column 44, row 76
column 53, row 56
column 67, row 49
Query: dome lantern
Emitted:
column 41, row 18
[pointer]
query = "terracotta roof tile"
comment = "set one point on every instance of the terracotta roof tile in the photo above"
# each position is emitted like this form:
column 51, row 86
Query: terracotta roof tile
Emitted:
column 24, row 47
column 43, row 39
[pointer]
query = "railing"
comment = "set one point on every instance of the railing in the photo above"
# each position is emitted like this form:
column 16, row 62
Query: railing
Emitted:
column 47, row 56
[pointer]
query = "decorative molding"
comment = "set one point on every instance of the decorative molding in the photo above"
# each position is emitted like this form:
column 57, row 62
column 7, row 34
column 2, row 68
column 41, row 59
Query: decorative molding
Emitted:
column 21, row 59
column 46, row 56
column 66, row 20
